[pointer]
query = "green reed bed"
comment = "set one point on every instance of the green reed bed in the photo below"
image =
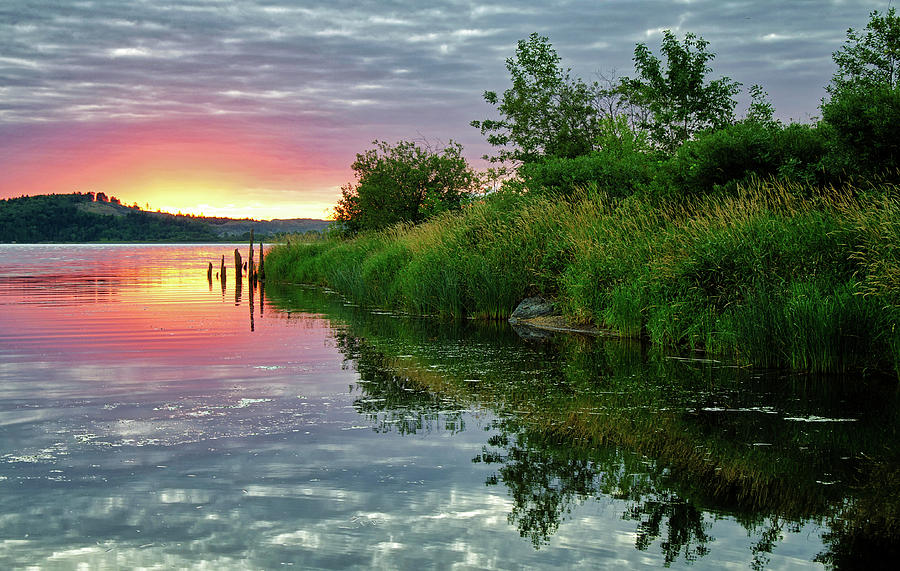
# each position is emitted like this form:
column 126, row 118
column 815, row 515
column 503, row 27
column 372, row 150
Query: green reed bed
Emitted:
column 772, row 275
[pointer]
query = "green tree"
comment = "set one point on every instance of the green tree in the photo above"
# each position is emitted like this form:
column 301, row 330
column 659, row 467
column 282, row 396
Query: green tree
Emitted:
column 679, row 98
column 545, row 112
column 622, row 163
column 863, row 115
column 871, row 59
column 404, row 183
column 862, row 127
column 761, row 110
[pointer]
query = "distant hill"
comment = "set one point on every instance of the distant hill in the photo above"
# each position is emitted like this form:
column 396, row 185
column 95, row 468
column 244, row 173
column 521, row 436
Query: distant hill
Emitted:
column 226, row 227
column 86, row 217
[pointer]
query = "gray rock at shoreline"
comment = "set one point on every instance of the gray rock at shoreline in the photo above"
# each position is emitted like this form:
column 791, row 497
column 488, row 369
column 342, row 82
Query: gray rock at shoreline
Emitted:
column 532, row 307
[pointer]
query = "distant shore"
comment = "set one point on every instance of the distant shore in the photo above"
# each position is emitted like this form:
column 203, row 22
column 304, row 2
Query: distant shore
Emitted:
column 85, row 218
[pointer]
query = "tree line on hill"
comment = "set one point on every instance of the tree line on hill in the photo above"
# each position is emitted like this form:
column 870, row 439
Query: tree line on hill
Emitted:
column 95, row 217
column 58, row 218
column 669, row 131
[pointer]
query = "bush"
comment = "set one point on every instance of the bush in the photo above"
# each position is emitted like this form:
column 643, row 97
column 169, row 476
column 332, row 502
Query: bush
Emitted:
column 770, row 275
column 726, row 156
column 618, row 176
column 624, row 164
column 743, row 152
column 864, row 126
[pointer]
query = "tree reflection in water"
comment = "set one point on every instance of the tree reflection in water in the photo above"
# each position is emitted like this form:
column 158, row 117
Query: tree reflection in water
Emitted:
column 547, row 479
column 681, row 442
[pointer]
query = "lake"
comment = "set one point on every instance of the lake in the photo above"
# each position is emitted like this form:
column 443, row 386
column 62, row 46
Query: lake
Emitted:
column 150, row 418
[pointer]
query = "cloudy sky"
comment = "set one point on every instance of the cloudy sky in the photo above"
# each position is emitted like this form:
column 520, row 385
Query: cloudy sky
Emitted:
column 258, row 107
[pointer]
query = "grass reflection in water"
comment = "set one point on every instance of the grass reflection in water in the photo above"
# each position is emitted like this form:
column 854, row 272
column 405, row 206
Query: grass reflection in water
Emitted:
column 682, row 442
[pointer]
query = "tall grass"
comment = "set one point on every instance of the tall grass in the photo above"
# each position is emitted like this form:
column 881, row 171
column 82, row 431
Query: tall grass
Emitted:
column 773, row 275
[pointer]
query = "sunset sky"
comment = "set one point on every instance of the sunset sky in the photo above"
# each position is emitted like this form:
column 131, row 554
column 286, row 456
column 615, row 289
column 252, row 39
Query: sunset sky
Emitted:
column 258, row 107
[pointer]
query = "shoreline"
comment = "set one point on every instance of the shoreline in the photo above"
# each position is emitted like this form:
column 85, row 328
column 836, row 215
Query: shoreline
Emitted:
column 771, row 277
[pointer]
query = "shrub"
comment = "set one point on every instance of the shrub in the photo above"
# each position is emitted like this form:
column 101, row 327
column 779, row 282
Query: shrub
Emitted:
column 616, row 175
column 864, row 126
column 772, row 275
column 743, row 152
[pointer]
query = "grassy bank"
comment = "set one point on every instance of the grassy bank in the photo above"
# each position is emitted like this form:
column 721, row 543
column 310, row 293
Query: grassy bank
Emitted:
column 771, row 275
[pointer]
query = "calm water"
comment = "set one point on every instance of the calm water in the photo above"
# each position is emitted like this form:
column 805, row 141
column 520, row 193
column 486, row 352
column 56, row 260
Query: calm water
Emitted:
column 151, row 419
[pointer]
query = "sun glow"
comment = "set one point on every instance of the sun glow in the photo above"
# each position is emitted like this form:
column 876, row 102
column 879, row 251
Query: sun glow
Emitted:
column 211, row 170
column 211, row 195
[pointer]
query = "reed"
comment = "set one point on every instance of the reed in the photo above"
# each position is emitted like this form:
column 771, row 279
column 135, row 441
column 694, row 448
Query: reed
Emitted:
column 771, row 275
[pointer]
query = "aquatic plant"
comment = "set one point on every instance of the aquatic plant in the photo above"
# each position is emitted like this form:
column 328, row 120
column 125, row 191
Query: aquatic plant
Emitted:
column 773, row 275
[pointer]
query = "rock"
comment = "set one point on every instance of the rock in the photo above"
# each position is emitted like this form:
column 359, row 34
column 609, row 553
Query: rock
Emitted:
column 537, row 318
column 533, row 334
column 532, row 307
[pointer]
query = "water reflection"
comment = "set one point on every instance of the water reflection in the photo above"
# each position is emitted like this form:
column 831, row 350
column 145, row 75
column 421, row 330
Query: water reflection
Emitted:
column 145, row 422
column 682, row 442
column 238, row 291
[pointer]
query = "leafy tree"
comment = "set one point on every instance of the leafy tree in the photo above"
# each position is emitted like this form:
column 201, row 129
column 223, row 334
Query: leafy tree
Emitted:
column 863, row 115
column 870, row 60
column 863, row 126
column 545, row 112
column 761, row 110
column 680, row 99
column 62, row 218
column 404, row 183
column 622, row 164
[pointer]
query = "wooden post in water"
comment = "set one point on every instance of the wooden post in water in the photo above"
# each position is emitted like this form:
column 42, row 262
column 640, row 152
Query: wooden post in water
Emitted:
column 237, row 263
column 261, row 272
column 251, row 271
column 209, row 273
column 251, row 306
column 222, row 269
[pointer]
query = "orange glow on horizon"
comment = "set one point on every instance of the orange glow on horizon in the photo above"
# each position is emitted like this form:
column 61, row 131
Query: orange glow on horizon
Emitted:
column 210, row 170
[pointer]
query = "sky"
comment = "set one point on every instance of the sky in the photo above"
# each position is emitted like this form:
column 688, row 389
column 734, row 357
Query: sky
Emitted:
column 257, row 108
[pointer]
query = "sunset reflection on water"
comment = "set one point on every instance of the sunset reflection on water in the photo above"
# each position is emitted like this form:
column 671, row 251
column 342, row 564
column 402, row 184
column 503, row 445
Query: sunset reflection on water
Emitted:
column 151, row 418
column 116, row 304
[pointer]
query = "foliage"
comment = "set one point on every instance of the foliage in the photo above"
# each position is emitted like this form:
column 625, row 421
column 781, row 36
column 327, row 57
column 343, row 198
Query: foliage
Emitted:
column 871, row 60
column 680, row 99
column 404, row 183
column 598, row 169
column 621, row 165
column 863, row 114
column 802, row 150
column 717, row 160
column 743, row 152
column 545, row 112
column 60, row 218
column 727, row 156
column 863, row 132
column 770, row 274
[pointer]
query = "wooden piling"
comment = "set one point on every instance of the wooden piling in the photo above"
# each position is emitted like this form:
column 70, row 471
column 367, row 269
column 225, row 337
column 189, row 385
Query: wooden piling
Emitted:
column 209, row 273
column 251, row 306
column 261, row 271
column 222, row 269
column 250, row 268
column 237, row 263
